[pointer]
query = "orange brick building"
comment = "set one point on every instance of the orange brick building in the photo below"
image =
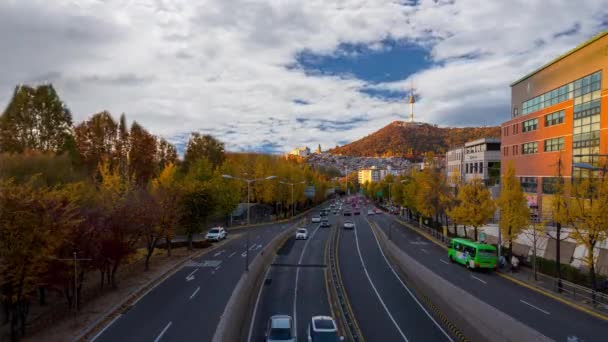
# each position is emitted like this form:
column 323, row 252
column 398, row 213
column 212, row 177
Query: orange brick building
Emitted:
column 559, row 116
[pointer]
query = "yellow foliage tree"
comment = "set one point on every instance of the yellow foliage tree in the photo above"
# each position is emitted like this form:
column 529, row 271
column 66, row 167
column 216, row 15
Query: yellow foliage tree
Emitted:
column 514, row 211
column 167, row 191
column 587, row 214
column 475, row 205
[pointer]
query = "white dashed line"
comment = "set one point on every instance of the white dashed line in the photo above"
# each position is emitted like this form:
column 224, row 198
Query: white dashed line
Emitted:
column 443, row 261
column 232, row 254
column 163, row 332
column 483, row 281
column 535, row 307
column 195, row 292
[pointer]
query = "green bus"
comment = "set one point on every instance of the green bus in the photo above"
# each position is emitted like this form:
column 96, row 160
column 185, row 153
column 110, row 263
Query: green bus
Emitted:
column 472, row 254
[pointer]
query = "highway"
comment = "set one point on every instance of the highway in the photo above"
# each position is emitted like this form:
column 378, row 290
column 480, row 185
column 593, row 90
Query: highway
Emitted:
column 384, row 307
column 295, row 283
column 187, row 306
column 546, row 315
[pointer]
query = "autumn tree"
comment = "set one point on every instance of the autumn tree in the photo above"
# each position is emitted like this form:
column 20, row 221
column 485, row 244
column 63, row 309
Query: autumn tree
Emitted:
column 96, row 140
column 167, row 191
column 204, row 146
column 559, row 215
column 431, row 187
column 474, row 205
column 166, row 154
column 35, row 119
column 142, row 154
column 197, row 202
column 587, row 214
column 33, row 224
column 514, row 211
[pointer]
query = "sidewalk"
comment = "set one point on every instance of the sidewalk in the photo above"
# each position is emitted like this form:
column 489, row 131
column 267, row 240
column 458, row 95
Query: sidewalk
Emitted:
column 573, row 293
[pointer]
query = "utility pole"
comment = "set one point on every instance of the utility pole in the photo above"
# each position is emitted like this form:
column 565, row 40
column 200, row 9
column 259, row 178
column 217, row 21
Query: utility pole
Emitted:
column 75, row 260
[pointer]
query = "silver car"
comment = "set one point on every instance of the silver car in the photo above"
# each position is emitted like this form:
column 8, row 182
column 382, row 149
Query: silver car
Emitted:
column 280, row 328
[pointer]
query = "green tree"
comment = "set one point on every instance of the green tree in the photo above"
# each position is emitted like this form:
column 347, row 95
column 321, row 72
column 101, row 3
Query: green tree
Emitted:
column 35, row 119
column 204, row 146
column 198, row 201
column 474, row 205
column 167, row 191
column 514, row 211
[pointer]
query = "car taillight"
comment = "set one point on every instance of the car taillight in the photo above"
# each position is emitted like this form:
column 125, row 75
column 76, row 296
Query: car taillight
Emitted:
column 476, row 264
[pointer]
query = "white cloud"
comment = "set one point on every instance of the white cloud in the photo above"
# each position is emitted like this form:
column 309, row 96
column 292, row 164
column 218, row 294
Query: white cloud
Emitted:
column 222, row 66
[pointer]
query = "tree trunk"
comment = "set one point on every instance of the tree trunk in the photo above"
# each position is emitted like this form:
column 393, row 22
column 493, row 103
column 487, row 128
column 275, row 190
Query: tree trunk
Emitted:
column 42, row 296
column 168, row 241
column 149, row 255
column 592, row 273
column 558, row 229
column 114, row 270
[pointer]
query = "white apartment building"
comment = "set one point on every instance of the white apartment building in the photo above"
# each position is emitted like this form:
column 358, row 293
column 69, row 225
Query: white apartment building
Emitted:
column 478, row 159
column 454, row 164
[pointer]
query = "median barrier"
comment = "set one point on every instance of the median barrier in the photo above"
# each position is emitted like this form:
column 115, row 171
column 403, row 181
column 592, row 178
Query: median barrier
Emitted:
column 235, row 319
column 475, row 319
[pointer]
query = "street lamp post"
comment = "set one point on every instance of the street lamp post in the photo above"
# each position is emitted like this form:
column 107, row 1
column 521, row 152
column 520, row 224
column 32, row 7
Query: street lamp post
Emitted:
column 293, row 207
column 248, row 181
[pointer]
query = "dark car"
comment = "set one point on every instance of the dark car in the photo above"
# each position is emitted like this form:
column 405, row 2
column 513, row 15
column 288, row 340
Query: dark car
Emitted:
column 347, row 213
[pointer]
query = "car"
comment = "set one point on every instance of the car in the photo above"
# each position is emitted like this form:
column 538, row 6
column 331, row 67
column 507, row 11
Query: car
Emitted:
column 323, row 329
column 301, row 234
column 370, row 212
column 280, row 328
column 347, row 213
column 216, row 234
column 349, row 225
column 335, row 211
column 316, row 219
column 325, row 224
column 357, row 212
column 378, row 211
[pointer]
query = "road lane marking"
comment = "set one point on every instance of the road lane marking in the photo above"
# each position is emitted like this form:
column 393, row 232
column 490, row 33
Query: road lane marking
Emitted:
column 191, row 275
column 443, row 261
column 195, row 292
column 243, row 254
column 295, row 295
column 231, row 254
column 481, row 280
column 255, row 308
column 163, row 332
column 105, row 328
column 218, row 253
column 405, row 287
column 375, row 290
column 535, row 307
column 424, row 250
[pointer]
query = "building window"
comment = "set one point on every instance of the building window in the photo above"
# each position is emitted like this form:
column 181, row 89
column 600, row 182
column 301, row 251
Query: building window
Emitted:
column 554, row 118
column 505, row 131
column 515, row 128
column 529, row 184
column 555, row 144
column 515, row 112
column 514, row 150
column 550, row 184
column 547, row 99
column 466, row 168
column 529, row 148
column 529, row 125
column 505, row 151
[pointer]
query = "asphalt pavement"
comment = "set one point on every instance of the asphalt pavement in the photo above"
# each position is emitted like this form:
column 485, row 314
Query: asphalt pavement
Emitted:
column 295, row 284
column 187, row 306
column 384, row 308
column 544, row 314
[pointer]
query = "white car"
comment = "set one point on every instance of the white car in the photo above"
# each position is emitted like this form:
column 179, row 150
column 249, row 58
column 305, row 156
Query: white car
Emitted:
column 280, row 328
column 216, row 234
column 349, row 225
column 316, row 219
column 323, row 329
column 370, row 212
column 301, row 234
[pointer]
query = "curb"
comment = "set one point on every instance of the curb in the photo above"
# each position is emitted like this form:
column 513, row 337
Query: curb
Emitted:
column 517, row 281
column 114, row 312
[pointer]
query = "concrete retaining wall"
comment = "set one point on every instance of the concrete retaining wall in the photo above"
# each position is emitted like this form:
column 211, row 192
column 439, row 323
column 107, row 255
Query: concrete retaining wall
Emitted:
column 477, row 320
column 235, row 320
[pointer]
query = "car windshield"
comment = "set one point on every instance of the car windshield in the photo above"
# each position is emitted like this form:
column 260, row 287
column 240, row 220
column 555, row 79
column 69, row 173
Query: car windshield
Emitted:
column 325, row 336
column 301, row 230
column 280, row 334
column 214, row 231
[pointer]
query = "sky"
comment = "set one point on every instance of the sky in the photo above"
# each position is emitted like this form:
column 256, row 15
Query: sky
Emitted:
column 268, row 76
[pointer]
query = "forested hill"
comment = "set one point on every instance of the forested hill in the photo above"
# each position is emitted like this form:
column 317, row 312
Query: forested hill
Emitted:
column 413, row 140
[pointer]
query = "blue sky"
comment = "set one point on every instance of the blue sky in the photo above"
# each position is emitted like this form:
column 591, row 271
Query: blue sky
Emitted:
column 272, row 75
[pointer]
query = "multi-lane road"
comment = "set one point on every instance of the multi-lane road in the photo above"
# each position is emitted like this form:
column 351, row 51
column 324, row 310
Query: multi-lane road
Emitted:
column 188, row 305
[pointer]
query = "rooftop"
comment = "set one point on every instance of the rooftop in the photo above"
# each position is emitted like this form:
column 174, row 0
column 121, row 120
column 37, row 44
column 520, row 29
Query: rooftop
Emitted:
column 589, row 42
column 483, row 140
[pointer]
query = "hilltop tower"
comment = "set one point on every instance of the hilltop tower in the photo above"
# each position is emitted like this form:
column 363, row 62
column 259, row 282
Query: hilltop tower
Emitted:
column 412, row 101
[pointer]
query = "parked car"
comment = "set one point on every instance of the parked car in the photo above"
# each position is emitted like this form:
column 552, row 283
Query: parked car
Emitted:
column 301, row 234
column 370, row 212
column 316, row 219
column 323, row 329
column 280, row 328
column 216, row 234
column 349, row 225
